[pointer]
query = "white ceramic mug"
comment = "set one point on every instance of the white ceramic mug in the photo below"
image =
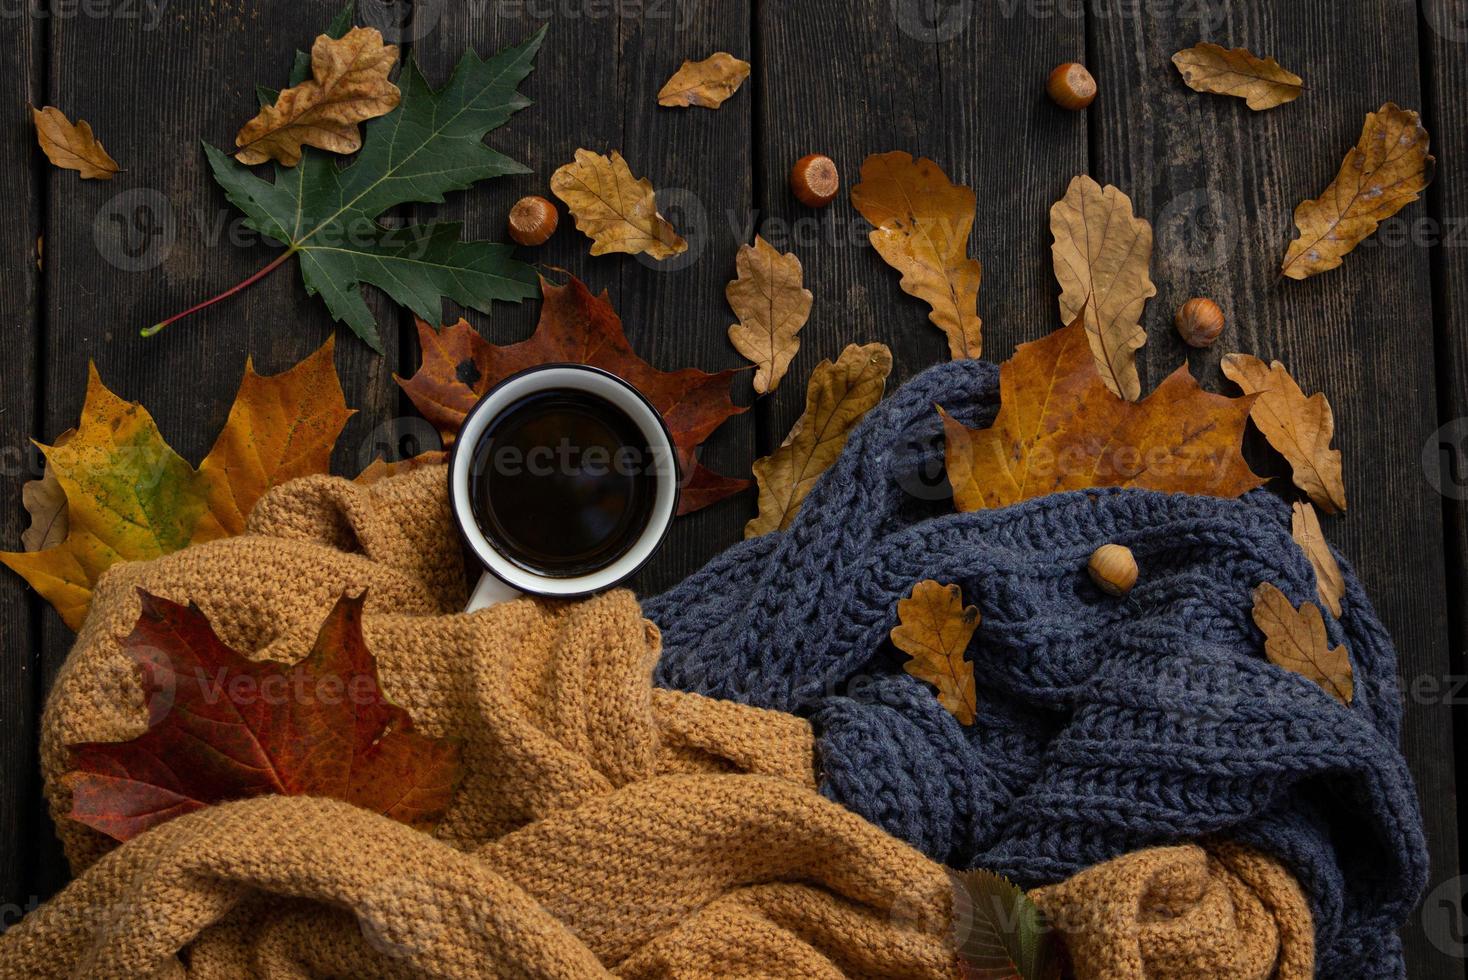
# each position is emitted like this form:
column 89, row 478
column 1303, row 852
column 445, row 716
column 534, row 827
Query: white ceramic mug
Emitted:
column 504, row 579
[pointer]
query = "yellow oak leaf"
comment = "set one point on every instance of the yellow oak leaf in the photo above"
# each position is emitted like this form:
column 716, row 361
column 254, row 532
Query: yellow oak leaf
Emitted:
column 1386, row 170
column 1299, row 428
column 1208, row 67
column 707, row 83
column 836, row 398
column 1102, row 254
column 772, row 304
column 45, row 502
column 616, row 210
column 934, row 629
column 921, row 225
column 72, row 147
column 1059, row 428
column 1295, row 639
column 130, row 497
column 348, row 86
column 1330, row 584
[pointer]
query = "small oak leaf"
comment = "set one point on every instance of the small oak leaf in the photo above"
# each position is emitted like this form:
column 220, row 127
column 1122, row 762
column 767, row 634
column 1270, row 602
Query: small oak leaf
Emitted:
column 1386, row 170
column 1330, row 584
column 707, row 83
column 616, row 210
column 349, row 85
column 772, row 304
column 934, row 629
column 72, row 146
column 1295, row 639
column 836, row 399
column 1102, row 255
column 1208, row 67
column 1299, row 428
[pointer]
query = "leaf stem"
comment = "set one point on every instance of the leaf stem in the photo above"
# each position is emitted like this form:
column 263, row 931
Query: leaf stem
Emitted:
column 279, row 261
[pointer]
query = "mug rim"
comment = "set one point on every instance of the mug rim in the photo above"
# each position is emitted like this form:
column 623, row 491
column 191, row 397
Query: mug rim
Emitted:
column 525, row 580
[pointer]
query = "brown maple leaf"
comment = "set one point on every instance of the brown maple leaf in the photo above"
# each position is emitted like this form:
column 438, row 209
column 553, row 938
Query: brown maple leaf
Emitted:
column 575, row 326
column 224, row 727
column 1060, row 428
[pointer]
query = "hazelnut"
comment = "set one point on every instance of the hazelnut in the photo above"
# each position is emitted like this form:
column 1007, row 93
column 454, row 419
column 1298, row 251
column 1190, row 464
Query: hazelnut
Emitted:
column 533, row 220
column 815, row 180
column 1070, row 86
column 1113, row 569
column 1199, row 321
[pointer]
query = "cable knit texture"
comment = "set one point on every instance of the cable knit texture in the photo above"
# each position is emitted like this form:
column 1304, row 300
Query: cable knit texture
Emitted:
column 1104, row 725
column 603, row 827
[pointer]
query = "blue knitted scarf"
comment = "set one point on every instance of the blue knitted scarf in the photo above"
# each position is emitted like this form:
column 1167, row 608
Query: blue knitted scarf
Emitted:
column 1104, row 725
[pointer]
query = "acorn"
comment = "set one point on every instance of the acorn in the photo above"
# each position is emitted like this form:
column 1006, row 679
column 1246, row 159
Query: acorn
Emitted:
column 1070, row 86
column 1113, row 569
column 1199, row 321
column 533, row 220
column 815, row 180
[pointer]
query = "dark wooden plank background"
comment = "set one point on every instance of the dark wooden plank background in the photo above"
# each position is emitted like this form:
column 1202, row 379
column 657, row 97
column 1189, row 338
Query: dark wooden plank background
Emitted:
column 1386, row 336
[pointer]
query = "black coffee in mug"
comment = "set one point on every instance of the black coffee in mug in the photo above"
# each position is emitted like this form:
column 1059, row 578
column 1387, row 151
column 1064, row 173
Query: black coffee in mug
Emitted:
column 562, row 483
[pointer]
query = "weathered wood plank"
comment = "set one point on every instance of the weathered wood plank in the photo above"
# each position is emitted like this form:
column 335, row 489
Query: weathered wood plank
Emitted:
column 596, row 86
column 962, row 84
column 1220, row 182
column 21, row 55
column 126, row 253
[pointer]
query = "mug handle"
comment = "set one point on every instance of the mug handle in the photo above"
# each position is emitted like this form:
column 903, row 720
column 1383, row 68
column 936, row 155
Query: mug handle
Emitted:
column 491, row 591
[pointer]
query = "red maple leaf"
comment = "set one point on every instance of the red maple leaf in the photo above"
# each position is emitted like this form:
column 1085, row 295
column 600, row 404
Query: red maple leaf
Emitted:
column 575, row 326
column 223, row 727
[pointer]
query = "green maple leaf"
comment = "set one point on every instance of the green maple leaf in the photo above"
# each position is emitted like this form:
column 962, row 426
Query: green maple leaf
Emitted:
column 330, row 216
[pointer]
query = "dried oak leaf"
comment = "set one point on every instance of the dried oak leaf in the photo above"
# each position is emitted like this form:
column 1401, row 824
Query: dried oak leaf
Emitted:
column 349, row 85
column 772, row 304
column 1295, row 639
column 130, row 497
column 922, row 222
column 1102, row 255
column 707, row 83
column 1299, row 428
column 934, row 629
column 836, row 398
column 999, row 931
column 216, row 733
column 1208, row 67
column 1385, row 171
column 1330, row 584
column 1059, row 428
column 459, row 366
column 72, row 147
column 616, row 210
column 45, row 502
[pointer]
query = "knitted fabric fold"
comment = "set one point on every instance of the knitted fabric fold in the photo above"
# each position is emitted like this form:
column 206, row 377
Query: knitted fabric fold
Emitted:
column 1105, row 725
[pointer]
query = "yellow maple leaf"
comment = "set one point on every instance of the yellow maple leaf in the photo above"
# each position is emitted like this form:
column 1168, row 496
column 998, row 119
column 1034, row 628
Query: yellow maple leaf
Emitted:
column 130, row 497
column 772, row 303
column 348, row 86
column 1102, row 254
column 707, row 83
column 1386, row 170
column 921, row 226
column 616, row 210
column 934, row 629
column 72, row 146
column 1059, row 428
